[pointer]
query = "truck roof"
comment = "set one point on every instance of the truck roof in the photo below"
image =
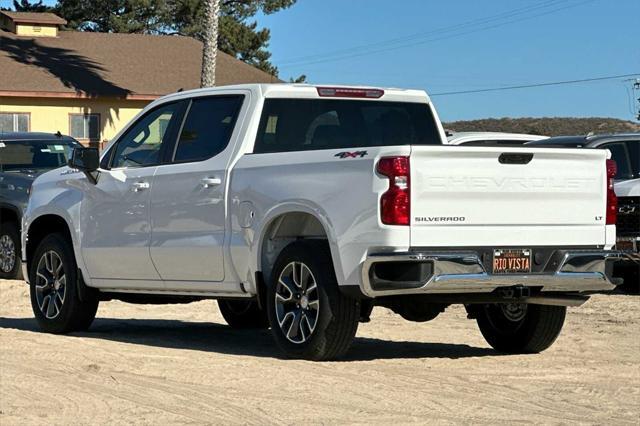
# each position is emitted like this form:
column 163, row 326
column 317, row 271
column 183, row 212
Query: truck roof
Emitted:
column 308, row 91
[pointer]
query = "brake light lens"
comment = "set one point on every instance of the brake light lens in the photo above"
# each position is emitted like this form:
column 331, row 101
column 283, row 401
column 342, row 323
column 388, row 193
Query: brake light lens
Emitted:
column 346, row 92
column 612, row 199
column 395, row 203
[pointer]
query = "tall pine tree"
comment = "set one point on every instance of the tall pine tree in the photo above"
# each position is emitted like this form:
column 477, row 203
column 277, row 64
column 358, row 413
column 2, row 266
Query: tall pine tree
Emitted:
column 27, row 6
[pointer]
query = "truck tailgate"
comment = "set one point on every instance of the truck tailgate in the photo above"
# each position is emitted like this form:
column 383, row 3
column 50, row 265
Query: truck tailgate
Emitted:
column 492, row 196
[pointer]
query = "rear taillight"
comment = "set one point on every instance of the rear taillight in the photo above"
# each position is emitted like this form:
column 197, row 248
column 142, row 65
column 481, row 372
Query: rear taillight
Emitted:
column 612, row 200
column 395, row 203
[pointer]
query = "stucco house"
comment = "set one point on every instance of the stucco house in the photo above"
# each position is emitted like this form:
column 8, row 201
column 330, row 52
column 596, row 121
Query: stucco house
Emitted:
column 88, row 85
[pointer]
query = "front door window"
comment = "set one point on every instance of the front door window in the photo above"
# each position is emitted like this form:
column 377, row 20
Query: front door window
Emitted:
column 140, row 146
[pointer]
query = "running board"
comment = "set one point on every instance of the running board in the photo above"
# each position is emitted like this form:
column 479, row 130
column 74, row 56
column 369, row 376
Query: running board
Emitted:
column 202, row 294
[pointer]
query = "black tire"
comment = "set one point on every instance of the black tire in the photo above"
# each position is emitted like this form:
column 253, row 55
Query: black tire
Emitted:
column 336, row 315
column 629, row 271
column 10, row 238
column 243, row 314
column 531, row 332
column 72, row 313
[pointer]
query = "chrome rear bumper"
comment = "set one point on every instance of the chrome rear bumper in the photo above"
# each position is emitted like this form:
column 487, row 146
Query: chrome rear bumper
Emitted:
column 463, row 272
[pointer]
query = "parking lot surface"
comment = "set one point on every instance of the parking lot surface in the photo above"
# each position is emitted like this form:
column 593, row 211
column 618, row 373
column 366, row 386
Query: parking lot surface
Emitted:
column 145, row 364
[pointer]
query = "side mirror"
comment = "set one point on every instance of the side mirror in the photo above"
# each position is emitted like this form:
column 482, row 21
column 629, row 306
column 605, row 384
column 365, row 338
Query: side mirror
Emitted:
column 85, row 159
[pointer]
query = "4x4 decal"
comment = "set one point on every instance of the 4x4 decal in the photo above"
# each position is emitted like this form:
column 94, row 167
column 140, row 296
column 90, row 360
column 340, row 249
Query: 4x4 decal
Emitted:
column 353, row 154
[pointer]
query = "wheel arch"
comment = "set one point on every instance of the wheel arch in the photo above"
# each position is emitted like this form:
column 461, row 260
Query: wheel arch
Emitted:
column 287, row 224
column 10, row 213
column 42, row 226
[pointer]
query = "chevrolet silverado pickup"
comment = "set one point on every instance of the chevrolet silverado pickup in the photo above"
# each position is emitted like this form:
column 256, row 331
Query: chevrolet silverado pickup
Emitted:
column 300, row 208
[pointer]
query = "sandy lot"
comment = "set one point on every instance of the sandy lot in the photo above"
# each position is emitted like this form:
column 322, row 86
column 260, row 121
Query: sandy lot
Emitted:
column 181, row 364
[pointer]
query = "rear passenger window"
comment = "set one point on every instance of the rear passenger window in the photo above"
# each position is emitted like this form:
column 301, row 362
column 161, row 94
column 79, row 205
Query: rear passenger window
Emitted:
column 208, row 127
column 312, row 124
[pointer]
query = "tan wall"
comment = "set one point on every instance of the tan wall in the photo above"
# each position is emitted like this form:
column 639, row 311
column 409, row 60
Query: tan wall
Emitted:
column 42, row 30
column 52, row 114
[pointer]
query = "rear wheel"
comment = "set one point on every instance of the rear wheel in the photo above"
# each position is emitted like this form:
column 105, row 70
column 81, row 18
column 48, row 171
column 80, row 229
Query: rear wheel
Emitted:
column 243, row 313
column 520, row 328
column 9, row 251
column 54, row 288
column 310, row 318
column 629, row 271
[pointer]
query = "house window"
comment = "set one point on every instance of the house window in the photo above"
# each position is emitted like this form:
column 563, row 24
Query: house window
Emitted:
column 14, row 121
column 84, row 126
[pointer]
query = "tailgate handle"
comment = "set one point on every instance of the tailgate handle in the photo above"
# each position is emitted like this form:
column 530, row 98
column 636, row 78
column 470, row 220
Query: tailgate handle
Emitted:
column 515, row 158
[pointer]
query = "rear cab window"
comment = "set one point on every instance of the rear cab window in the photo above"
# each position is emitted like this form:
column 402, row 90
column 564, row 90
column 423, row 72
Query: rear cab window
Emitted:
column 315, row 124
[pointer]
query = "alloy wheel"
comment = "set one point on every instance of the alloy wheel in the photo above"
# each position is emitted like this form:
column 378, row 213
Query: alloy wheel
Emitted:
column 51, row 284
column 506, row 318
column 297, row 302
column 514, row 311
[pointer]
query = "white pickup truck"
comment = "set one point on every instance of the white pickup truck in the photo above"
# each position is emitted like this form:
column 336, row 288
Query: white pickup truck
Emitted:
column 300, row 208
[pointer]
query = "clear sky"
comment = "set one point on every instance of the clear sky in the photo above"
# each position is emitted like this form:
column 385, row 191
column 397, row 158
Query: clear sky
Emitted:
column 469, row 44
column 454, row 45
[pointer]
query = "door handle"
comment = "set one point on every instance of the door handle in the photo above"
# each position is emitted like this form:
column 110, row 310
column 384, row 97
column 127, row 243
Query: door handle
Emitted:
column 140, row 186
column 211, row 182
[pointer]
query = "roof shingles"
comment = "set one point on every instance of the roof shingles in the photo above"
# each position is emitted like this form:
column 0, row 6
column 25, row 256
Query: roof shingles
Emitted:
column 34, row 18
column 109, row 64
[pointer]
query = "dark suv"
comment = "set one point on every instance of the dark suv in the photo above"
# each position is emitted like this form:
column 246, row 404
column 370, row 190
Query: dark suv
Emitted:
column 625, row 150
column 23, row 157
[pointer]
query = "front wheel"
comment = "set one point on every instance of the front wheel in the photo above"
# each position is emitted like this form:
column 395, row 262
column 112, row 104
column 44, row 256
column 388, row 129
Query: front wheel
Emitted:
column 310, row 318
column 519, row 327
column 54, row 290
column 9, row 251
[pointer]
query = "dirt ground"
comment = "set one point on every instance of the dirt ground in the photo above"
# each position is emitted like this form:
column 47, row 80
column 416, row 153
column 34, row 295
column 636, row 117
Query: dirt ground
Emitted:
column 181, row 364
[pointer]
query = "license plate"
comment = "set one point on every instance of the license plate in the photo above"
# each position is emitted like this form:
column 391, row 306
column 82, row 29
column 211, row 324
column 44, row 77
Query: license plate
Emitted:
column 511, row 261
